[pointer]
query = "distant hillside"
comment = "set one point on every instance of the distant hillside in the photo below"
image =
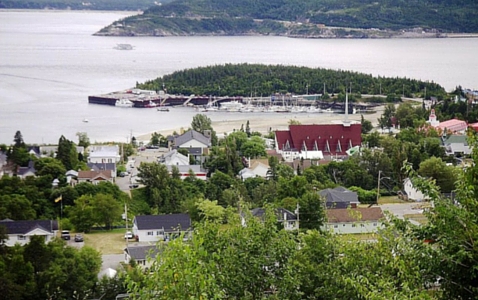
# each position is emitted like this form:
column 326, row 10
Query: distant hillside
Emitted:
column 304, row 18
column 80, row 5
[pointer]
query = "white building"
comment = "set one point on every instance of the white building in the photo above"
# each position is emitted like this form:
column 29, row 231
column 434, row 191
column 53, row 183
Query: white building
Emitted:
column 104, row 154
column 412, row 192
column 353, row 220
column 20, row 232
column 153, row 228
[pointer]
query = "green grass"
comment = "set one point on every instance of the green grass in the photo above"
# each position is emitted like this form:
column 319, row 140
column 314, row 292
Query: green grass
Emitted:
column 390, row 200
column 106, row 242
column 420, row 218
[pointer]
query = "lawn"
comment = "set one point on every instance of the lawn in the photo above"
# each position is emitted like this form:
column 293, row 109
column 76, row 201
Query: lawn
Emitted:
column 107, row 242
column 390, row 199
column 420, row 218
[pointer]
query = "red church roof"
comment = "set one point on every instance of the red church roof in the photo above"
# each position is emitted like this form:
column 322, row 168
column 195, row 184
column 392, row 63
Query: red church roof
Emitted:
column 328, row 138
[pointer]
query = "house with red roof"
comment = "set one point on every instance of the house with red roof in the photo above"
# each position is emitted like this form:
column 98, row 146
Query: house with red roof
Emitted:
column 317, row 141
column 448, row 126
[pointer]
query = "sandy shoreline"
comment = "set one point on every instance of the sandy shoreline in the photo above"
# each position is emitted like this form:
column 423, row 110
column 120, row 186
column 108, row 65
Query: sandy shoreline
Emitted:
column 274, row 121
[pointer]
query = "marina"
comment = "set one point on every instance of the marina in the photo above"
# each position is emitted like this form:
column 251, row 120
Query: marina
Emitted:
column 273, row 104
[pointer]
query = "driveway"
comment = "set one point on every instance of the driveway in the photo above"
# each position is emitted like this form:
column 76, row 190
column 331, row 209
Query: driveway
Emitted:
column 401, row 209
column 110, row 261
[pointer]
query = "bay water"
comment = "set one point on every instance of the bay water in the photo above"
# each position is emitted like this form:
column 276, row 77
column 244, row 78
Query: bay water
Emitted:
column 50, row 63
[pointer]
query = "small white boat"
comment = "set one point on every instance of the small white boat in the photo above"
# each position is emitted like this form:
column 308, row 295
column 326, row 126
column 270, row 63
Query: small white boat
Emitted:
column 123, row 103
column 163, row 109
column 85, row 120
column 123, row 47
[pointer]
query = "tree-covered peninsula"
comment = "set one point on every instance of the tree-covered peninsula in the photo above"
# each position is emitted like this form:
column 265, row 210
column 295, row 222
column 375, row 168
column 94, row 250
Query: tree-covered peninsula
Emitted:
column 264, row 80
column 307, row 18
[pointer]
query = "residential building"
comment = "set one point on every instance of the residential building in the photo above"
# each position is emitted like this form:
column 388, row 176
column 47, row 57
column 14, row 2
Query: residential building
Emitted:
column 411, row 192
column 256, row 168
column 175, row 159
column 317, row 141
column 110, row 167
column 286, row 218
column 153, row 228
column 353, row 220
column 20, row 232
column 195, row 142
column 142, row 255
column 103, row 154
column 94, row 177
column 456, row 145
column 24, row 172
column 339, row 197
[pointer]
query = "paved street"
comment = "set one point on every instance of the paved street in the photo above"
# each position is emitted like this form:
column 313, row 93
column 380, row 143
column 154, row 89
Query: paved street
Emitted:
column 400, row 209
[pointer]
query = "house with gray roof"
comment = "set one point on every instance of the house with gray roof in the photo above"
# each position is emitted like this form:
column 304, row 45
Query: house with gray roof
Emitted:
column 153, row 228
column 19, row 232
column 24, row 172
column 285, row 217
column 142, row 255
column 339, row 197
column 195, row 142
column 99, row 167
column 456, row 145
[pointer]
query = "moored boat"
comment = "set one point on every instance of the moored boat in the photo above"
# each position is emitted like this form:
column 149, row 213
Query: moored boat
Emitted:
column 123, row 103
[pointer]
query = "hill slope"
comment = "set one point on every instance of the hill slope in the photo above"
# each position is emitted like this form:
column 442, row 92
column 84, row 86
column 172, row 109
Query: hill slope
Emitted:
column 303, row 18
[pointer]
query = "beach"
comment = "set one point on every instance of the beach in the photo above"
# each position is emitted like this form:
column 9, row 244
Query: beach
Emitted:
column 271, row 122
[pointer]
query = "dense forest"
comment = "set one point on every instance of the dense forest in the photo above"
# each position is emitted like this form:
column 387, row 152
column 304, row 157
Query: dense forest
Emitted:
column 308, row 18
column 265, row 80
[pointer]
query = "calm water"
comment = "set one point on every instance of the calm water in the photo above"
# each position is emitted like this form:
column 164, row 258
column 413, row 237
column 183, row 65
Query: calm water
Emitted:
column 50, row 63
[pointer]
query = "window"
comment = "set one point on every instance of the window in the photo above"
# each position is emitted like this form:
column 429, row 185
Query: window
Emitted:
column 21, row 238
column 150, row 233
column 336, row 226
column 362, row 225
column 159, row 232
column 353, row 225
column 374, row 224
column 291, row 224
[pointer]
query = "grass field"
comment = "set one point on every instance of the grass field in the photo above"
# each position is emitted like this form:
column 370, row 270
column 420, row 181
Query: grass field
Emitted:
column 107, row 242
column 390, row 199
column 420, row 218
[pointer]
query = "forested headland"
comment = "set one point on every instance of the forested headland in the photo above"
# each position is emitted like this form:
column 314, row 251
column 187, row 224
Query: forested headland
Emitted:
column 309, row 18
column 265, row 80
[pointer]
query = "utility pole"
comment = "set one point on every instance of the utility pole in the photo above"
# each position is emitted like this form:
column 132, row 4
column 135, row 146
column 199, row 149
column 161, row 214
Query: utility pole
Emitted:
column 378, row 185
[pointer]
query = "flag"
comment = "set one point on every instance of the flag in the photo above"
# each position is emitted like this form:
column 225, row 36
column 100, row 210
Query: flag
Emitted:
column 58, row 199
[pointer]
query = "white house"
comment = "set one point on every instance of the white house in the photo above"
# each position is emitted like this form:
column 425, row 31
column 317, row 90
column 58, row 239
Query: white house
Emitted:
column 104, row 154
column 19, row 232
column 255, row 169
column 153, row 228
column 353, row 220
column 142, row 255
column 195, row 142
column 412, row 192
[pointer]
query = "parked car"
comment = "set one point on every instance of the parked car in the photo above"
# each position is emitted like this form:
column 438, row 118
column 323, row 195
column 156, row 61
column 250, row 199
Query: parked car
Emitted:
column 133, row 186
column 128, row 235
column 65, row 234
column 78, row 237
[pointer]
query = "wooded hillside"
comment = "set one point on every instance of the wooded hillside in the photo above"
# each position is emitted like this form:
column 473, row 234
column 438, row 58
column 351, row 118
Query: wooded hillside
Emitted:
column 310, row 18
